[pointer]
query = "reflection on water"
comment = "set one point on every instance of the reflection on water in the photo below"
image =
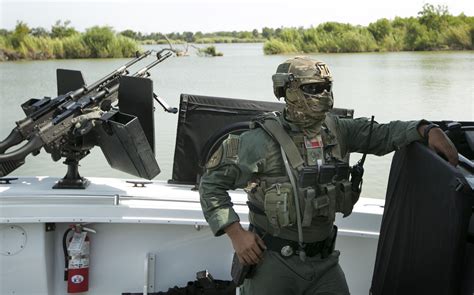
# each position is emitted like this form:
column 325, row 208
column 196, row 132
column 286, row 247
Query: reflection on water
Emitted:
column 391, row 86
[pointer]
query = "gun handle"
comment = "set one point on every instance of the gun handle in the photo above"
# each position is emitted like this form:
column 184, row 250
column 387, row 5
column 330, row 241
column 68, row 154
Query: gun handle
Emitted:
column 12, row 139
column 11, row 161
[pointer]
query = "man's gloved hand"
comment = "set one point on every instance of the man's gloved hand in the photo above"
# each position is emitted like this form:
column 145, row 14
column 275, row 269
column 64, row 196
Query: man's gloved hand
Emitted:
column 248, row 246
column 438, row 141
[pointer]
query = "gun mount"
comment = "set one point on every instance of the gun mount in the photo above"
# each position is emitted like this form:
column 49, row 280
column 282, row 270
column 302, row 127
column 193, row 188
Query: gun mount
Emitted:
column 114, row 113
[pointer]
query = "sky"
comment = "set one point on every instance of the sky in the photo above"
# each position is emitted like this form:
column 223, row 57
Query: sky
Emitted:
column 168, row 16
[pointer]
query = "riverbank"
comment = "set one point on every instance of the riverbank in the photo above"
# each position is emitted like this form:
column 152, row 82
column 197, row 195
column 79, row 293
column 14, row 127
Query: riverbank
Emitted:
column 434, row 29
column 96, row 42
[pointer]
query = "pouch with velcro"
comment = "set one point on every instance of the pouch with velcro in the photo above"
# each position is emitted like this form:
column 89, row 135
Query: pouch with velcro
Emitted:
column 279, row 205
column 344, row 202
column 324, row 205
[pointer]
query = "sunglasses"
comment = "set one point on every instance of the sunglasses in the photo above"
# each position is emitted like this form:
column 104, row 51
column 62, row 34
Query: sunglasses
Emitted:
column 316, row 88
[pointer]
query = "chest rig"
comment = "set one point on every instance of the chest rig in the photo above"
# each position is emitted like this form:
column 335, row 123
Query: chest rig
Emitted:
column 320, row 186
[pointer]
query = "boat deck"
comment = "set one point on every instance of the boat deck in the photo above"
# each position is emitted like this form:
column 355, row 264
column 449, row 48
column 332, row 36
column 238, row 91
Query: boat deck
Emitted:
column 158, row 220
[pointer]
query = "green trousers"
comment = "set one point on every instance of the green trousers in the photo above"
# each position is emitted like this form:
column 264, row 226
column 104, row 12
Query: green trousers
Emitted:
column 277, row 275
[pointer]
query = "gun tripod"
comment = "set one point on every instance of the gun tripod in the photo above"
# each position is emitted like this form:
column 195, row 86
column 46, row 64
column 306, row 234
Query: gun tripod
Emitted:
column 72, row 180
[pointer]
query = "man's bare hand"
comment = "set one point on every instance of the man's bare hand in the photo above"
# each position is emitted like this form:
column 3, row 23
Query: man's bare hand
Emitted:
column 248, row 246
column 438, row 141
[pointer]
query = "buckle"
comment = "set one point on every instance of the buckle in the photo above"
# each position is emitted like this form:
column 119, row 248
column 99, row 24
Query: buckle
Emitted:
column 287, row 251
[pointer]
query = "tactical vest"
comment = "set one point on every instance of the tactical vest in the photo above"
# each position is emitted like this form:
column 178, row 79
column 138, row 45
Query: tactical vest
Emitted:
column 322, row 180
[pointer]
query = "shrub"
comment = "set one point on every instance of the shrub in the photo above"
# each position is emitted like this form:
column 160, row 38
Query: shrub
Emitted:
column 74, row 47
column 356, row 41
column 44, row 48
column 328, row 43
column 128, row 47
column 276, row 46
column 380, row 29
column 459, row 37
column 210, row 51
column 99, row 41
column 58, row 48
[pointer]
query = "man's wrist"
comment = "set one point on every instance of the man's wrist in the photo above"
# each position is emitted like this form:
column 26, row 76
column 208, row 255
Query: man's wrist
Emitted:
column 233, row 229
column 427, row 128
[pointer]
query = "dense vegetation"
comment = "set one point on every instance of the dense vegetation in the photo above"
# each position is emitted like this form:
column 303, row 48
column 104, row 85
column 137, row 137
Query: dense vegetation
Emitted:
column 63, row 42
column 198, row 37
column 433, row 29
column 209, row 51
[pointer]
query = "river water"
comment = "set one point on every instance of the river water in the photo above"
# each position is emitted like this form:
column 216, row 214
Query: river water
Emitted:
column 391, row 86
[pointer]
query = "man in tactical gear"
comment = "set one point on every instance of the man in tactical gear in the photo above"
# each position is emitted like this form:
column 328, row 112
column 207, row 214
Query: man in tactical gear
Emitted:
column 294, row 168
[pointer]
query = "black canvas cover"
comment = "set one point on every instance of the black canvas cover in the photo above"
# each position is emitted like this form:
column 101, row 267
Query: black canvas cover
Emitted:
column 423, row 245
column 200, row 117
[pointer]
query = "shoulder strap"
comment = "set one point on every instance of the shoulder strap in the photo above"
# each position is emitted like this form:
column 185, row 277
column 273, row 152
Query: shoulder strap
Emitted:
column 273, row 127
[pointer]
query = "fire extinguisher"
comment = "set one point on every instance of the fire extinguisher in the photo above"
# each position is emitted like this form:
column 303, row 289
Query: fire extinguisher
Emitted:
column 76, row 258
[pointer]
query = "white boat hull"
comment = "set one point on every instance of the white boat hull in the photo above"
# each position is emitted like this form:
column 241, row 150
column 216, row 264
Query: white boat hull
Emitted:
column 161, row 220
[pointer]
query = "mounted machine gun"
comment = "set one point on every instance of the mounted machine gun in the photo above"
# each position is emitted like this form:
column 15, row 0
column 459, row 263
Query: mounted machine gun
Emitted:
column 116, row 113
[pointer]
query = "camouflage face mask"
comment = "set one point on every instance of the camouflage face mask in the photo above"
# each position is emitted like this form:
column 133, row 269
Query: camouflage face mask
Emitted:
column 307, row 110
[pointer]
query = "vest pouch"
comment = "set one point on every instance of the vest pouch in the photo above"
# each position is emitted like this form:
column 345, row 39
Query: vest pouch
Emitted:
column 325, row 204
column 255, row 193
column 279, row 205
column 344, row 201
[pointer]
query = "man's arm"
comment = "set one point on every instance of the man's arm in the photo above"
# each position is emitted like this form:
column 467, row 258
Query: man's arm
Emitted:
column 215, row 201
column 438, row 141
column 231, row 167
column 353, row 134
column 217, row 208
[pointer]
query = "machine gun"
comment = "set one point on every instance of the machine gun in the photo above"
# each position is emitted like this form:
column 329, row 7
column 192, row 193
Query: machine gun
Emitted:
column 38, row 111
column 117, row 108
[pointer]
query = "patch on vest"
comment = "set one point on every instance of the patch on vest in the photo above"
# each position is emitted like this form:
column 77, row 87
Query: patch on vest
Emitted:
column 232, row 147
column 314, row 150
column 215, row 158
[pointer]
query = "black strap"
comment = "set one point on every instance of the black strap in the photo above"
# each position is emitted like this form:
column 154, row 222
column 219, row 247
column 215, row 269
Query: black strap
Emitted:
column 428, row 129
column 273, row 243
column 255, row 209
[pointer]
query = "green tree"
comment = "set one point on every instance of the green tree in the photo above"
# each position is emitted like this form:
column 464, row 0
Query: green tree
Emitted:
column 130, row 34
column 245, row 35
column 39, row 32
column 4, row 32
column 417, row 37
column 188, row 36
column 267, row 32
column 62, row 30
column 292, row 36
column 334, row 27
column 198, row 35
column 19, row 33
column 433, row 17
column 380, row 29
column 99, row 41
column 255, row 33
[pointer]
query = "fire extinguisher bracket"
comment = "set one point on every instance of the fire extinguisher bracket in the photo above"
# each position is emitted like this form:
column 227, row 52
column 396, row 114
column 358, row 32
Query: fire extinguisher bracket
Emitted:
column 77, row 258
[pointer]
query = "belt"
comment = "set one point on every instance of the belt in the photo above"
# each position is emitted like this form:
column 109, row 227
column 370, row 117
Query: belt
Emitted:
column 287, row 248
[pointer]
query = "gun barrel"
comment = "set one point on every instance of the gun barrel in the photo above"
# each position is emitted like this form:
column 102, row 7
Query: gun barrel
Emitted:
column 88, row 88
column 151, row 65
column 120, row 70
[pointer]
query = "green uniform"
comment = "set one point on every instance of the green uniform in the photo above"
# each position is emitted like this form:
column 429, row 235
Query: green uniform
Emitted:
column 256, row 155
